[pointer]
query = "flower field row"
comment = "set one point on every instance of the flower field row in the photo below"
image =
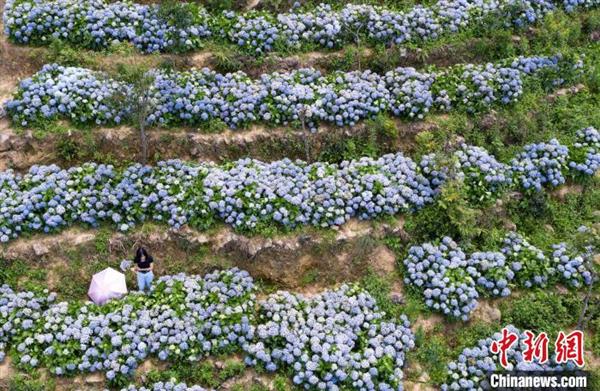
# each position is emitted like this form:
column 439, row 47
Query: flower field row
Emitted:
column 470, row 371
column 332, row 341
column 250, row 195
column 151, row 28
column 165, row 386
column 452, row 282
column 186, row 318
column 199, row 96
column 306, row 335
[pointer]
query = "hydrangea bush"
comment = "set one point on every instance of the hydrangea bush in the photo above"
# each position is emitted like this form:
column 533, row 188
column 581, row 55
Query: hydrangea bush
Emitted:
column 586, row 152
column 251, row 195
column 97, row 24
column 184, row 318
column 19, row 313
column 471, row 369
column 541, row 164
column 165, row 386
column 333, row 340
column 530, row 264
column 484, row 176
column 494, row 274
column 571, row 268
column 452, row 281
column 442, row 272
column 336, row 340
column 201, row 96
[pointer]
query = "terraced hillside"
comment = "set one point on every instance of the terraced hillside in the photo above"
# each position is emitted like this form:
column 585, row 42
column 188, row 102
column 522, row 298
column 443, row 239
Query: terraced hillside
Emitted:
column 337, row 196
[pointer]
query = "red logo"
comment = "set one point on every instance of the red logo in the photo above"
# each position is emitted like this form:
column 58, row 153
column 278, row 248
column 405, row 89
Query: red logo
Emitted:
column 536, row 347
column 570, row 347
column 503, row 345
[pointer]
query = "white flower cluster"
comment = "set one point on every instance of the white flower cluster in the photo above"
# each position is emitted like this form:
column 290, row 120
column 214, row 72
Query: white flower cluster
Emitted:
column 198, row 96
column 97, row 23
column 333, row 341
column 470, row 371
column 452, row 282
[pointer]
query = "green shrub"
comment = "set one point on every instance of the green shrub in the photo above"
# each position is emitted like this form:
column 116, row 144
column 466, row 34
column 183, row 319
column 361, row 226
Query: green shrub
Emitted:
column 541, row 311
column 67, row 149
column 21, row 382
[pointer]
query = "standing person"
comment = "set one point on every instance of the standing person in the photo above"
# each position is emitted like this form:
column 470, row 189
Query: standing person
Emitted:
column 144, row 264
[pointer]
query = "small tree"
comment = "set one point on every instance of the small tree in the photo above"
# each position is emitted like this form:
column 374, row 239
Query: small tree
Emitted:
column 305, row 113
column 356, row 33
column 139, row 101
column 589, row 240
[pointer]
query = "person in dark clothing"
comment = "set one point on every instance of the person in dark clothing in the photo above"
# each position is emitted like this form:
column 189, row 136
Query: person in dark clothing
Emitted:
column 144, row 266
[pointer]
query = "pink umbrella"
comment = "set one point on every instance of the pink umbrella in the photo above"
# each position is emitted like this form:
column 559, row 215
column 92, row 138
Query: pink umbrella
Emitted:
column 107, row 284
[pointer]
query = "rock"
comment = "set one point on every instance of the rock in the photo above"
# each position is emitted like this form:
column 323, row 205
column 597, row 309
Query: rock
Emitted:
column 396, row 298
column 6, row 370
column 424, row 378
column 260, row 380
column 509, row 225
column 4, row 142
column 94, row 378
column 565, row 190
column 394, row 229
column 18, row 143
column 415, row 386
column 429, row 323
column 82, row 238
column 488, row 121
column 562, row 289
column 515, row 195
column 383, row 260
column 353, row 229
column 487, row 313
column 419, row 378
column 592, row 361
column 565, row 91
column 40, row 249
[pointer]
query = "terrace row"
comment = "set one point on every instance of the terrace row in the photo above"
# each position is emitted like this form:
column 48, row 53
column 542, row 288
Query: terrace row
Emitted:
column 184, row 27
column 251, row 195
column 303, row 97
